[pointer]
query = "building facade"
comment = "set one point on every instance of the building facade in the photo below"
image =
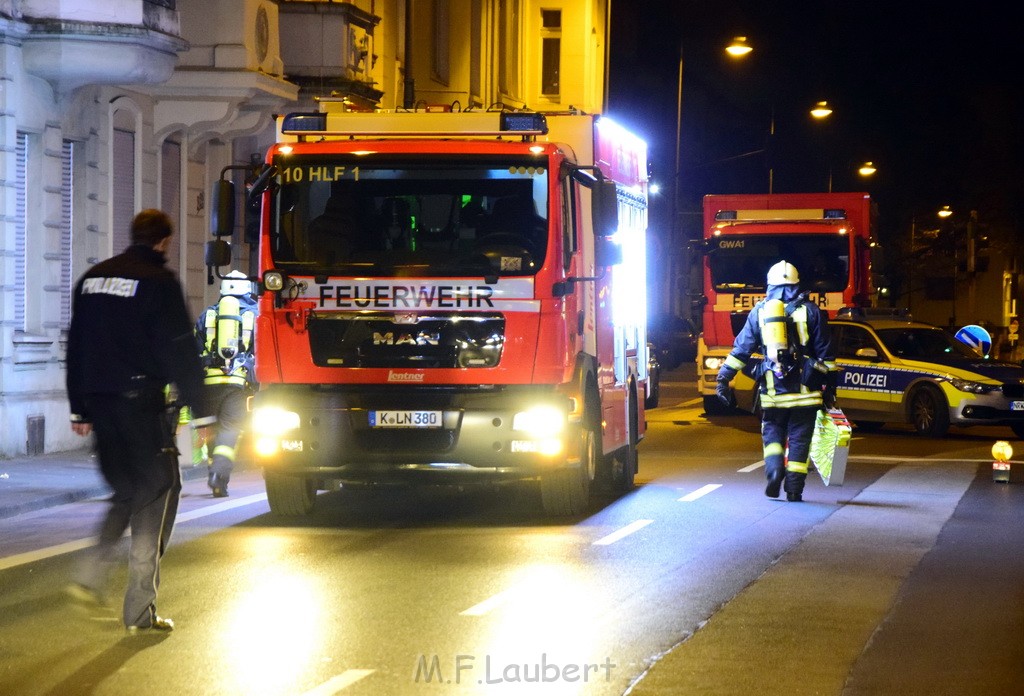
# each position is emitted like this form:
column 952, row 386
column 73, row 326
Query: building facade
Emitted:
column 112, row 106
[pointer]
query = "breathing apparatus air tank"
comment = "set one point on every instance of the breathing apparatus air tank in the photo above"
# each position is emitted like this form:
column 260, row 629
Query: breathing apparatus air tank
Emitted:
column 229, row 325
column 773, row 332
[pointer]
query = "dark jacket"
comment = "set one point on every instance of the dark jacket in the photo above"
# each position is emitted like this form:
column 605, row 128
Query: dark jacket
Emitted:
column 791, row 389
column 130, row 329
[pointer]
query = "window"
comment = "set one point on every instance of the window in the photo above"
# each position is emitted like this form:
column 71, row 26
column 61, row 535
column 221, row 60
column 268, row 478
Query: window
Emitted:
column 551, row 51
column 170, row 197
column 441, row 57
column 122, row 178
column 508, row 47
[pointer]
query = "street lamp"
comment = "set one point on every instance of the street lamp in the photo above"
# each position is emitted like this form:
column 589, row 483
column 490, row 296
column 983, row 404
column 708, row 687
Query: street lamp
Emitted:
column 821, row 111
column 867, row 169
column 944, row 213
column 738, row 48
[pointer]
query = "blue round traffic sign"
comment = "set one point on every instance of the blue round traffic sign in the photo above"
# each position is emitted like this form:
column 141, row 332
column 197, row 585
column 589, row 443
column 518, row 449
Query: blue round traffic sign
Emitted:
column 976, row 337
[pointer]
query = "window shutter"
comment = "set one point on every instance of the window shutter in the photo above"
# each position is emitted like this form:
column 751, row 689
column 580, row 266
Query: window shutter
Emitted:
column 123, row 203
column 66, row 198
column 21, row 171
column 170, row 197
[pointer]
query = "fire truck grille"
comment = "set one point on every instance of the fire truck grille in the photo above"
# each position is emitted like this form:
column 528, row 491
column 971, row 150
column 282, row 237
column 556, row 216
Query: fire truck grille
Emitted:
column 414, row 442
column 407, row 340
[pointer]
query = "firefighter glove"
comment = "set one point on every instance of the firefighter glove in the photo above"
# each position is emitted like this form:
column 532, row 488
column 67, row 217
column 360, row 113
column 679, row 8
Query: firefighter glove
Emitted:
column 724, row 391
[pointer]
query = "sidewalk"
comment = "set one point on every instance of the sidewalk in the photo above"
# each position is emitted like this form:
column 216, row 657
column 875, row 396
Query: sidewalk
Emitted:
column 48, row 480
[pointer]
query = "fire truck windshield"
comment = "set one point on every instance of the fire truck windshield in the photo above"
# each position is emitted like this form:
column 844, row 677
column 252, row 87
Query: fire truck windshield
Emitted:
column 739, row 263
column 428, row 216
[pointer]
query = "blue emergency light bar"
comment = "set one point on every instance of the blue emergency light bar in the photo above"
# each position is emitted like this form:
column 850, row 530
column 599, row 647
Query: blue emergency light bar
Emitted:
column 305, row 122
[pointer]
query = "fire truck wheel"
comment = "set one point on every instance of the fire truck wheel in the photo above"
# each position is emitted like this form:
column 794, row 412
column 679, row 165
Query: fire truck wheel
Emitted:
column 627, row 460
column 290, row 496
column 566, row 491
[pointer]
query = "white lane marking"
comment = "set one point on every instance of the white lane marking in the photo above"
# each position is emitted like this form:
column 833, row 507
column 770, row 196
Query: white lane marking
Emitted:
column 339, row 682
column 220, row 507
column 50, row 552
column 492, row 602
column 623, row 532
column 79, row 544
column 699, row 493
column 753, row 467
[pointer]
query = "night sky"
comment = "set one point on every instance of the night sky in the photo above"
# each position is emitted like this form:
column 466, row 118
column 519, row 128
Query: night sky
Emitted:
column 933, row 97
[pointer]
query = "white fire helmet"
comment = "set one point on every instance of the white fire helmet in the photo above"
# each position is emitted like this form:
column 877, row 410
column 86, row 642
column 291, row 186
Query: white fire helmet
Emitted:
column 783, row 273
column 235, row 283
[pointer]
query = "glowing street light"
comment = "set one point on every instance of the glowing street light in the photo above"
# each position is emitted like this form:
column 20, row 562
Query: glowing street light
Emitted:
column 867, row 169
column 821, row 110
column 945, row 212
column 739, row 47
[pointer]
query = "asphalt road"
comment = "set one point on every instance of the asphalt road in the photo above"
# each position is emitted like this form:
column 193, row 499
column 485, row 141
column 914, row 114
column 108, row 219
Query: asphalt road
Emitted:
column 907, row 579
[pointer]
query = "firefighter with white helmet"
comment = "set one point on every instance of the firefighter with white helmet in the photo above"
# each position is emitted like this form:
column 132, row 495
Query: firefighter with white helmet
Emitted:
column 795, row 378
column 225, row 333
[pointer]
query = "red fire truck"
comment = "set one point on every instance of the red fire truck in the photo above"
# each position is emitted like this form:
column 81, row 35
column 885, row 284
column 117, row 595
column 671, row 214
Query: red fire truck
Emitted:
column 827, row 236
column 446, row 298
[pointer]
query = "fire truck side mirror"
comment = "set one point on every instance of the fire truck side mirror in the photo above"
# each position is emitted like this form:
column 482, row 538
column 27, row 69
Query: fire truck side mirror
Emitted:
column 222, row 214
column 218, row 253
column 605, row 208
column 607, row 252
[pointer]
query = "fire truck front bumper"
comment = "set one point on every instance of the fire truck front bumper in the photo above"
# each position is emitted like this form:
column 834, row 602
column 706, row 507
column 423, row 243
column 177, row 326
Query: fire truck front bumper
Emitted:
column 384, row 436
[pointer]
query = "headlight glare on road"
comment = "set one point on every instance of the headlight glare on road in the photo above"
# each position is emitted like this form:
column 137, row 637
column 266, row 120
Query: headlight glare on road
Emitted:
column 271, row 421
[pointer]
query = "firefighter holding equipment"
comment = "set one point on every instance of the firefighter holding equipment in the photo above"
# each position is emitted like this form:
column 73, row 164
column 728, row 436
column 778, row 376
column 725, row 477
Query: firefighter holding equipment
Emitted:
column 794, row 380
column 225, row 332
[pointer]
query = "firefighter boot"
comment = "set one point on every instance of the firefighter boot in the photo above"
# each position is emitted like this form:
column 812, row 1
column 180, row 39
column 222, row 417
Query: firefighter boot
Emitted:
column 794, row 486
column 774, row 482
column 218, row 484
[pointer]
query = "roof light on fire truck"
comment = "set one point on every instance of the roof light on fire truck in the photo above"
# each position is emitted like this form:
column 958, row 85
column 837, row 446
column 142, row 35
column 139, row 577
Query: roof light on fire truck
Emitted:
column 523, row 122
column 539, row 421
column 272, row 420
column 309, row 122
column 273, row 281
column 834, row 214
column 726, row 215
column 536, row 149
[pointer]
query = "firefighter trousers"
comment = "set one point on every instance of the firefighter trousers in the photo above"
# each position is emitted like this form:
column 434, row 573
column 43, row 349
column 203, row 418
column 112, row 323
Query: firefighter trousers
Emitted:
column 227, row 401
column 786, row 437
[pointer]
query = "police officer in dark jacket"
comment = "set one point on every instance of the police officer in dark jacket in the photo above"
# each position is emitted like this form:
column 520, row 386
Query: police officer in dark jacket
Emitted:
column 795, row 378
column 130, row 345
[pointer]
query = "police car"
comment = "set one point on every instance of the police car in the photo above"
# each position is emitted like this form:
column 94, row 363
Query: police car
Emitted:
column 895, row 370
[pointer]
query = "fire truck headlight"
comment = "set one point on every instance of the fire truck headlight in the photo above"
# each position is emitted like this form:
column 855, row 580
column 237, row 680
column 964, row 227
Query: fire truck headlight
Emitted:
column 713, row 363
column 273, row 281
column 271, row 421
column 540, row 421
